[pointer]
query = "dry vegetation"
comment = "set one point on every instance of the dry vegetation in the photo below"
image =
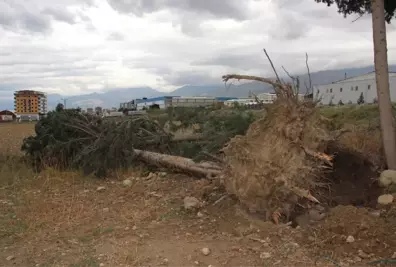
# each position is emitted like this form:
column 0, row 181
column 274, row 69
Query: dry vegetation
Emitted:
column 55, row 218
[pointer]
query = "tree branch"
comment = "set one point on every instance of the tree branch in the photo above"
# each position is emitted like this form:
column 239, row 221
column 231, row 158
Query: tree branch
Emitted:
column 273, row 68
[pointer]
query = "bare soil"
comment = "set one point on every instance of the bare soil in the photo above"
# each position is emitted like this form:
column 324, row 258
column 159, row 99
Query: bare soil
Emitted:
column 60, row 219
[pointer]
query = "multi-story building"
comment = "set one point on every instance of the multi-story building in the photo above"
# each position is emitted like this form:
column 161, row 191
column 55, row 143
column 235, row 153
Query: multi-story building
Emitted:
column 28, row 102
column 350, row 90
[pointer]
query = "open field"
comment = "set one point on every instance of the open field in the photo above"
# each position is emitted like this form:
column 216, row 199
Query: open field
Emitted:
column 57, row 218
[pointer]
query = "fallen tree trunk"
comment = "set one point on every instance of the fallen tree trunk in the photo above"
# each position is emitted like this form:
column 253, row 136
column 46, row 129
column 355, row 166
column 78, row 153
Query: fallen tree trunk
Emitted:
column 179, row 163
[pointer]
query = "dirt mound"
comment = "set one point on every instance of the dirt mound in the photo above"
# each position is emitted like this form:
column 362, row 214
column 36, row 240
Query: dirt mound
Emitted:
column 374, row 237
column 280, row 159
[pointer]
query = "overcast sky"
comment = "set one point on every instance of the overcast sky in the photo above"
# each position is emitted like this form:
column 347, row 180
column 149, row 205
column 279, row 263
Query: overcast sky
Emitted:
column 81, row 46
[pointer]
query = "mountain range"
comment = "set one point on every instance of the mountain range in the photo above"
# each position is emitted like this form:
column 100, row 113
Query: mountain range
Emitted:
column 113, row 97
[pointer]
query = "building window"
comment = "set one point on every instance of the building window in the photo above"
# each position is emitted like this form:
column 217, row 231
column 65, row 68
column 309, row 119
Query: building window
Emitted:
column 369, row 87
column 351, row 88
column 340, row 89
column 356, row 88
column 331, row 90
column 327, row 90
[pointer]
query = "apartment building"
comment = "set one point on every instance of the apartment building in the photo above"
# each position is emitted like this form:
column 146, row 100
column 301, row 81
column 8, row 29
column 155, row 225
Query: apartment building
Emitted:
column 28, row 102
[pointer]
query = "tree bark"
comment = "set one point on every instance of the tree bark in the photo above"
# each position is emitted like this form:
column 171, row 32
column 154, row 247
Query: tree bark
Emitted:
column 382, row 81
column 179, row 163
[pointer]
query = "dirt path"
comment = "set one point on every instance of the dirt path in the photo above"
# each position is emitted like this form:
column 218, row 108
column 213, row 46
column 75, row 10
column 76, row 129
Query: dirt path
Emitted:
column 64, row 220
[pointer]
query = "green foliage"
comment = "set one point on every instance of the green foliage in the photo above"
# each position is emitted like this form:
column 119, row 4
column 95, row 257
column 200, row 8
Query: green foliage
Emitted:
column 351, row 114
column 216, row 126
column 361, row 7
column 69, row 139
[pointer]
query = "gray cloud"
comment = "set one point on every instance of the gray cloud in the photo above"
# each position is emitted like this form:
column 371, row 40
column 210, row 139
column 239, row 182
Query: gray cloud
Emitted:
column 116, row 36
column 227, row 9
column 60, row 15
column 187, row 13
column 241, row 61
column 192, row 78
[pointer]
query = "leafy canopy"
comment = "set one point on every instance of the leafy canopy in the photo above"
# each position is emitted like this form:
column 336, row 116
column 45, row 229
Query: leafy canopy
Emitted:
column 361, row 7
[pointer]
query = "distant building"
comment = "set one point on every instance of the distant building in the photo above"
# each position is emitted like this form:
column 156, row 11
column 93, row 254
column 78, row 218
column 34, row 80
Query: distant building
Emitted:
column 349, row 90
column 98, row 110
column 268, row 98
column 90, row 110
column 240, row 101
column 28, row 102
column 7, row 116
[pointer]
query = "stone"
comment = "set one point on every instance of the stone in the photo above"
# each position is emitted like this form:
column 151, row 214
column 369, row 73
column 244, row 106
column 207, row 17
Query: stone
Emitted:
column 191, row 203
column 106, row 209
column 10, row 258
column 362, row 254
column 205, row 251
column 101, row 188
column 196, row 262
column 265, row 255
column 127, row 183
column 387, row 178
column 101, row 265
column 200, row 214
column 350, row 239
column 134, row 228
column 162, row 174
column 394, row 255
column 385, row 199
column 126, row 228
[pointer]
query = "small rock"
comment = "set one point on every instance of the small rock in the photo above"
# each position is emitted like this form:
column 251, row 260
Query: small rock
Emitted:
column 394, row 255
column 127, row 183
column 126, row 228
column 162, row 174
column 387, row 178
column 385, row 199
column 191, row 203
column 376, row 213
column 150, row 176
column 357, row 259
column 210, row 265
column 205, row 251
column 101, row 265
column 189, row 257
column 265, row 255
column 106, row 209
column 86, row 191
column 350, row 239
column 165, row 261
column 196, row 262
column 134, row 228
column 10, row 258
column 100, row 188
column 362, row 254
column 200, row 214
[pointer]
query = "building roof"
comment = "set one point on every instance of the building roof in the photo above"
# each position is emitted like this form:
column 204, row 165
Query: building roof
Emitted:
column 352, row 77
column 7, row 112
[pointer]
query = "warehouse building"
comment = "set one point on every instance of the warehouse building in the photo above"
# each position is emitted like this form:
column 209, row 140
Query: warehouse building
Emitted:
column 164, row 102
column 348, row 91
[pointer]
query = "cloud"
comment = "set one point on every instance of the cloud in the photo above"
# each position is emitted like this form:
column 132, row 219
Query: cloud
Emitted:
column 60, row 15
column 116, row 36
column 75, row 46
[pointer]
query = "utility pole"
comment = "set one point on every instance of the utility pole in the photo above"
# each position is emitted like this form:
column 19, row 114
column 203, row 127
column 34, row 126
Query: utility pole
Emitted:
column 64, row 102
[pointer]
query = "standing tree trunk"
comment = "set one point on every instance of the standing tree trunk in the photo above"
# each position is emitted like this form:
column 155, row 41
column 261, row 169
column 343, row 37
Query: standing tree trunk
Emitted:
column 382, row 80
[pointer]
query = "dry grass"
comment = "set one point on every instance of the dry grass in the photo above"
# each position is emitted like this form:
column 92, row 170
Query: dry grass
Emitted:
column 11, row 136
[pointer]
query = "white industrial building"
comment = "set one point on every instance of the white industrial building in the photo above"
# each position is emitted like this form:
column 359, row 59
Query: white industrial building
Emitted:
column 269, row 98
column 349, row 90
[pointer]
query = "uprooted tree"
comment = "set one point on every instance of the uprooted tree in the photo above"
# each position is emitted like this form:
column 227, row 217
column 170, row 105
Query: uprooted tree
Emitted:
column 278, row 165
